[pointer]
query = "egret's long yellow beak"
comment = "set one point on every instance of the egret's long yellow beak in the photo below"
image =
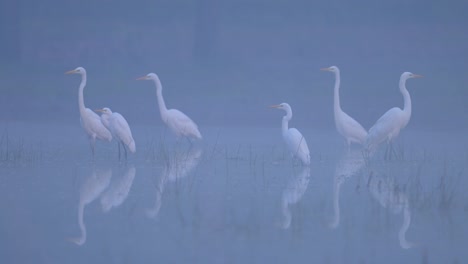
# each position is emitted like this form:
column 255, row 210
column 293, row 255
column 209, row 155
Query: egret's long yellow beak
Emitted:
column 417, row 76
column 99, row 110
column 142, row 78
column 325, row 69
column 71, row 72
column 275, row 106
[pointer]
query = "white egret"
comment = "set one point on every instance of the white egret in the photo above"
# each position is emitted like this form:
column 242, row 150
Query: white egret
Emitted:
column 389, row 125
column 89, row 120
column 180, row 124
column 349, row 128
column 119, row 128
column 294, row 140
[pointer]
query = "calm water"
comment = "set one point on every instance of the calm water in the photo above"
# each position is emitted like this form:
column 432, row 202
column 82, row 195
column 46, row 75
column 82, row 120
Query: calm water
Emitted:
column 235, row 198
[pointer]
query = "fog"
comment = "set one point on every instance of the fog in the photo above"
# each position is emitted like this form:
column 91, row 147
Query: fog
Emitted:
column 223, row 62
column 242, row 194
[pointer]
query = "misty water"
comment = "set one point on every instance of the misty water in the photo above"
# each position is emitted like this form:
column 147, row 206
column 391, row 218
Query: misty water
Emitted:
column 236, row 197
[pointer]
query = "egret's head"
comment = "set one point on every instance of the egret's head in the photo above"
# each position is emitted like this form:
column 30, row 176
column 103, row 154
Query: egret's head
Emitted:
column 104, row 111
column 79, row 70
column 331, row 69
column 149, row 76
column 409, row 75
column 283, row 106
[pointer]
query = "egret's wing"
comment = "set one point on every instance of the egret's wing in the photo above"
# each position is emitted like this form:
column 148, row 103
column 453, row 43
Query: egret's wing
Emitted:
column 297, row 143
column 91, row 121
column 183, row 123
column 121, row 128
column 353, row 127
column 383, row 127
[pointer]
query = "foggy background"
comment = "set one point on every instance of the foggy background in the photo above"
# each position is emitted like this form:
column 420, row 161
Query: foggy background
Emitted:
column 222, row 62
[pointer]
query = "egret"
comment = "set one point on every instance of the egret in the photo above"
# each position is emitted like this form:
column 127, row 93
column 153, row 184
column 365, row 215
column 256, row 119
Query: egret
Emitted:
column 180, row 124
column 119, row 128
column 294, row 140
column 389, row 125
column 349, row 128
column 90, row 121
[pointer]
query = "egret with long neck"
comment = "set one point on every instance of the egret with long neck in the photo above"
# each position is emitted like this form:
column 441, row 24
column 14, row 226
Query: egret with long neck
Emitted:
column 349, row 128
column 294, row 140
column 389, row 125
column 89, row 120
column 179, row 123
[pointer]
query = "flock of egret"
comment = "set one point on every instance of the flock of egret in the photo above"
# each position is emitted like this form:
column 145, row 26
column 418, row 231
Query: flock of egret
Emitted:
column 113, row 125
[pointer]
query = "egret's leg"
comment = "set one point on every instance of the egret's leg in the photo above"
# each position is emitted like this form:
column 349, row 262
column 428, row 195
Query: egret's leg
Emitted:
column 118, row 145
column 125, row 149
column 92, row 142
column 386, row 151
column 189, row 140
column 393, row 153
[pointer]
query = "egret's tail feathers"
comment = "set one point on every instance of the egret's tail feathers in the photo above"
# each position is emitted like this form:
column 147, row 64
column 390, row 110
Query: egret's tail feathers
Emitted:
column 197, row 135
column 132, row 146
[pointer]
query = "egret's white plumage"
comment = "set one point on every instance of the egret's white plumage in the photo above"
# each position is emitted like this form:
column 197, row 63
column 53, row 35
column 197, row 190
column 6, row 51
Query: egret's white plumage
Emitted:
column 389, row 125
column 349, row 128
column 89, row 120
column 179, row 123
column 119, row 128
column 294, row 140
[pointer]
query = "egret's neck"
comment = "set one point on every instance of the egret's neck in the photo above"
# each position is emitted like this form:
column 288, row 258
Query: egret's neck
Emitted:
column 161, row 104
column 336, row 98
column 284, row 125
column 81, row 104
column 406, row 98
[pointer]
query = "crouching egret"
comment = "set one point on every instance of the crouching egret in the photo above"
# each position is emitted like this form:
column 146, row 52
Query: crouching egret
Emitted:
column 294, row 140
column 119, row 128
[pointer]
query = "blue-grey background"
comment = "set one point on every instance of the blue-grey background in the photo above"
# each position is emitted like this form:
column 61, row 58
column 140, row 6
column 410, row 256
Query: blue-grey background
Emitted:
column 224, row 61
column 227, row 199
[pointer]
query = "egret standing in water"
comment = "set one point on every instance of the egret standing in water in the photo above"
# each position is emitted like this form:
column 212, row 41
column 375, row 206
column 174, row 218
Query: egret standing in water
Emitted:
column 119, row 128
column 89, row 120
column 179, row 123
column 349, row 128
column 389, row 125
column 294, row 140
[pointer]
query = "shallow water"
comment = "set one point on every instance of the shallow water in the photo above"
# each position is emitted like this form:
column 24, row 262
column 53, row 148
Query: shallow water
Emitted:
column 237, row 197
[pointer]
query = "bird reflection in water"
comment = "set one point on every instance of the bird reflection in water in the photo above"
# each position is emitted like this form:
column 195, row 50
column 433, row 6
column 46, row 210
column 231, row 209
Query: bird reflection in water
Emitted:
column 118, row 190
column 386, row 191
column 177, row 167
column 91, row 188
column 293, row 193
column 349, row 165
